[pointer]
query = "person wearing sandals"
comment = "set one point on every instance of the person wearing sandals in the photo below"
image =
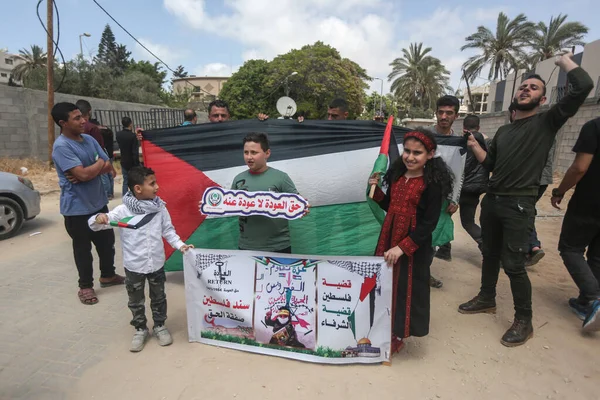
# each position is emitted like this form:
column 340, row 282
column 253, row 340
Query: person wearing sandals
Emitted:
column 80, row 162
column 417, row 183
column 145, row 222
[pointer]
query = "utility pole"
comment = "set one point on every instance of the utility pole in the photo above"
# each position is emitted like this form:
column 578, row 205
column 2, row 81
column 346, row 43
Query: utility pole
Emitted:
column 50, row 76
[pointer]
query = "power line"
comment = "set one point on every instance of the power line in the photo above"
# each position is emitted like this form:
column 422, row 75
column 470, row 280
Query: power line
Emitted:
column 145, row 48
column 55, row 42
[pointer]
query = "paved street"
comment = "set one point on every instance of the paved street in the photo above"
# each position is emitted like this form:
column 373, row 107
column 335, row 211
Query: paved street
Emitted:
column 48, row 338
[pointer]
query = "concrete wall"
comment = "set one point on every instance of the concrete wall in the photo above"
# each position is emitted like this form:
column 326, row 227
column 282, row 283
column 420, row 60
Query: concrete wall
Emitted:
column 566, row 138
column 24, row 121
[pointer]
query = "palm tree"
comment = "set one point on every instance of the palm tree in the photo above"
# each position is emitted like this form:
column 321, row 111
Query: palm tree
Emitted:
column 34, row 59
column 500, row 51
column 548, row 40
column 418, row 78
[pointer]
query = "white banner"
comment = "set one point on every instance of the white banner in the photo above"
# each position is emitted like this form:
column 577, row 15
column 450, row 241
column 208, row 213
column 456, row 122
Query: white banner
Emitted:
column 220, row 202
column 322, row 309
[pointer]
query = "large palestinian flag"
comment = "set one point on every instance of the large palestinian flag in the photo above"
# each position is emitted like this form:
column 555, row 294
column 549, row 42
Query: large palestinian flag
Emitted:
column 329, row 161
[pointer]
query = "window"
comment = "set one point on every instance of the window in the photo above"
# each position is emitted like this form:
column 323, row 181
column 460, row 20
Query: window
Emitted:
column 8, row 61
column 4, row 75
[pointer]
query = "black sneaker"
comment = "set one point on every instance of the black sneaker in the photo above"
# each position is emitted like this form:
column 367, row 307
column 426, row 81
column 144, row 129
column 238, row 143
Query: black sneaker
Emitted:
column 534, row 257
column 579, row 309
column 444, row 253
column 435, row 283
column 518, row 334
column 477, row 305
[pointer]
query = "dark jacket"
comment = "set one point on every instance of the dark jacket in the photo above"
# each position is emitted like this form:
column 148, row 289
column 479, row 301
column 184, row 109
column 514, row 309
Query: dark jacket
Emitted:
column 476, row 177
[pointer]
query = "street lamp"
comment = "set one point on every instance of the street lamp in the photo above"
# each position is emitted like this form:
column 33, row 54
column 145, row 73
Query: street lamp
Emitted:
column 80, row 44
column 287, row 90
column 380, row 99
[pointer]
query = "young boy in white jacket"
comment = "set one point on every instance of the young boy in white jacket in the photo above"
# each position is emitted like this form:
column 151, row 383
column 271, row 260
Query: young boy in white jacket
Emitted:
column 143, row 252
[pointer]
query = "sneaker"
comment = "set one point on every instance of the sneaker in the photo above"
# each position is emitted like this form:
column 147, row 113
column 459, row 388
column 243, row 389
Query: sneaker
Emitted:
column 435, row 283
column 592, row 320
column 581, row 310
column 139, row 340
column 534, row 257
column 518, row 334
column 444, row 253
column 163, row 335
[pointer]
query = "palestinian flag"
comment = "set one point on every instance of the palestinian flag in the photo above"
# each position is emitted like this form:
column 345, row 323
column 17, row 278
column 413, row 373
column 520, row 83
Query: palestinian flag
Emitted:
column 388, row 153
column 133, row 222
column 329, row 162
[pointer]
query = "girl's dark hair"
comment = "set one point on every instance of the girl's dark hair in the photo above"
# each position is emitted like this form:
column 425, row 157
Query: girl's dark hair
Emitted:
column 436, row 171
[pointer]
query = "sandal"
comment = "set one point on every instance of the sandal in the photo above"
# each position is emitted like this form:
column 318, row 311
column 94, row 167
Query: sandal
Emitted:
column 115, row 280
column 87, row 296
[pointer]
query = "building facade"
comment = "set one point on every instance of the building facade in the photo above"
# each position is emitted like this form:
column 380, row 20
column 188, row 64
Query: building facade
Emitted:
column 8, row 62
column 200, row 87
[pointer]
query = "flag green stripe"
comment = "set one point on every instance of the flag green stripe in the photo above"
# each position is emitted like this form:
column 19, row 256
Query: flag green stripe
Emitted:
column 381, row 166
column 344, row 229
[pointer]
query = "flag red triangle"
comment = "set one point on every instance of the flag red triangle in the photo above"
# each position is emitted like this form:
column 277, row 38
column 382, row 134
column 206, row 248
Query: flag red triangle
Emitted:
column 366, row 287
column 181, row 186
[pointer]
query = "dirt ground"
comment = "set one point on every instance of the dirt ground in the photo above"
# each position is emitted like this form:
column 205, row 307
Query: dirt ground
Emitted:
column 461, row 358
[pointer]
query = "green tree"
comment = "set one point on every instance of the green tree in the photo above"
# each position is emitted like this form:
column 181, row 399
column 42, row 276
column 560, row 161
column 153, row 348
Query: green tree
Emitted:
column 373, row 103
column 33, row 60
column 322, row 75
column 245, row 90
column 154, row 71
column 107, row 46
column 418, row 78
column 548, row 40
column 500, row 51
column 180, row 72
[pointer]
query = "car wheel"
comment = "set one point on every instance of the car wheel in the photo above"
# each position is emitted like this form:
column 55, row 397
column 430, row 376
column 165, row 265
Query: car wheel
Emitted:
column 11, row 218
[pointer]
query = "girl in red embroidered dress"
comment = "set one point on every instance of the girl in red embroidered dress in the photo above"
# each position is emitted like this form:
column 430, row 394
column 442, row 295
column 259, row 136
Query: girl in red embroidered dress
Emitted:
column 417, row 182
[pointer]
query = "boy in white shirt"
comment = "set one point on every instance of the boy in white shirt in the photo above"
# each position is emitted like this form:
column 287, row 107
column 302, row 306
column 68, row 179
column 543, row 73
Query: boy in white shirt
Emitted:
column 143, row 252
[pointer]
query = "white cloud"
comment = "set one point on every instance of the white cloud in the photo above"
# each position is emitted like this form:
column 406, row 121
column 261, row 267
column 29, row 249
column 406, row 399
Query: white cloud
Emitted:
column 164, row 52
column 369, row 32
column 215, row 69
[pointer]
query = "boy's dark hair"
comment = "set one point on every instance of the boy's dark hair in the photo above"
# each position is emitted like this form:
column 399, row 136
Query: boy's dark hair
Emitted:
column 260, row 138
column 218, row 104
column 137, row 176
column 448, row 101
column 339, row 103
column 126, row 122
column 189, row 115
column 84, row 106
column 539, row 78
column 61, row 111
column 471, row 122
column 436, row 170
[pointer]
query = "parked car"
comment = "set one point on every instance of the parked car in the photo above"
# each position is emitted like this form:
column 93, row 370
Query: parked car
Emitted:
column 19, row 202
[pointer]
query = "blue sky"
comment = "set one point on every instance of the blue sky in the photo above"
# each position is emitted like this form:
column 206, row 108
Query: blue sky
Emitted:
column 211, row 37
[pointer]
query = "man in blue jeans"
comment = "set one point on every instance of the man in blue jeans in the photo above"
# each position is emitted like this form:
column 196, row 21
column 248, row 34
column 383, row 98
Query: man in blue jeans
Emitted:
column 130, row 151
column 80, row 161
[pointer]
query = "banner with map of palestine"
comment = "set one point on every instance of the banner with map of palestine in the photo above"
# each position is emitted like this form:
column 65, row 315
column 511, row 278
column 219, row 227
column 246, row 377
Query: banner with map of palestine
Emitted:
column 324, row 309
column 329, row 162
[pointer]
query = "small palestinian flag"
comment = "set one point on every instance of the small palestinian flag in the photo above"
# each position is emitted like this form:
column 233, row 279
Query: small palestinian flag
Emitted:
column 134, row 222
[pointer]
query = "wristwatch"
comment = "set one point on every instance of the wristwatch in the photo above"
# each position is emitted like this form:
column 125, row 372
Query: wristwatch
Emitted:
column 556, row 193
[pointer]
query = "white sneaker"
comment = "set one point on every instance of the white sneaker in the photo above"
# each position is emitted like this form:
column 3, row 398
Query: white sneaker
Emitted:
column 163, row 335
column 139, row 340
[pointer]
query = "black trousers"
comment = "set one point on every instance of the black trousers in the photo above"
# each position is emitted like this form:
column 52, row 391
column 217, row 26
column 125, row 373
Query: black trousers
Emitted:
column 467, row 207
column 135, row 284
column 533, row 239
column 581, row 230
column 78, row 229
column 505, row 229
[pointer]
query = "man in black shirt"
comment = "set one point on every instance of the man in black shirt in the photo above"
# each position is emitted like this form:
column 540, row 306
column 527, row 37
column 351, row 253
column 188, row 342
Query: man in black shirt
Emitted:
column 516, row 158
column 474, row 183
column 581, row 226
column 130, row 151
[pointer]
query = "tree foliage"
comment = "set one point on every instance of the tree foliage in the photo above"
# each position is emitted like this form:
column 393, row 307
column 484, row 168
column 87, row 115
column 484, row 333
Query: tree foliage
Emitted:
column 33, row 60
column 418, row 78
column 548, row 40
column 322, row 75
